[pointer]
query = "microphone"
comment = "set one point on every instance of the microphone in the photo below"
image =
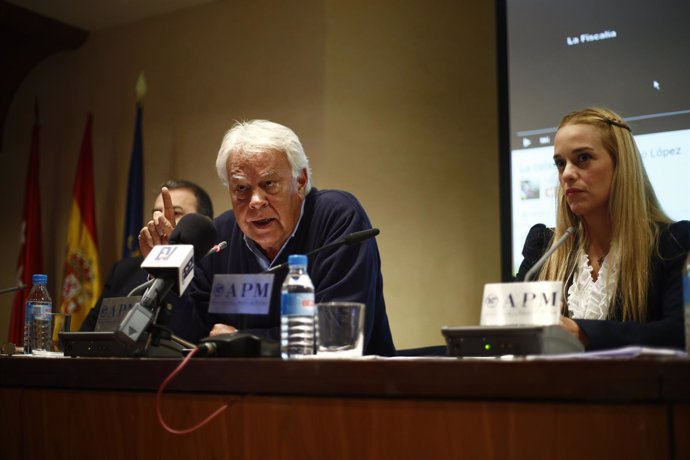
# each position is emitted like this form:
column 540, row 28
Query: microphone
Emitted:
column 170, row 268
column 174, row 264
column 19, row 287
column 216, row 248
column 569, row 233
column 145, row 285
column 352, row 238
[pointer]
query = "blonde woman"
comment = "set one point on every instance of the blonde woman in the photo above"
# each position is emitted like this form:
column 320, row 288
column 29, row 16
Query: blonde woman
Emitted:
column 622, row 270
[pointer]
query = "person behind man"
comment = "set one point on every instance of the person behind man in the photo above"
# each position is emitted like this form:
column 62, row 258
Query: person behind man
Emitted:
column 183, row 197
column 276, row 212
column 622, row 270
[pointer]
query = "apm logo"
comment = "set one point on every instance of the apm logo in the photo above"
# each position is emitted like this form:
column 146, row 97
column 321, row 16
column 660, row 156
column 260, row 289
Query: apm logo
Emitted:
column 523, row 300
column 243, row 294
column 248, row 290
column 532, row 300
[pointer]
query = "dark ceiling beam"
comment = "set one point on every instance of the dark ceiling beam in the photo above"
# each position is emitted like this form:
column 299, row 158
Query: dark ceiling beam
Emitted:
column 26, row 38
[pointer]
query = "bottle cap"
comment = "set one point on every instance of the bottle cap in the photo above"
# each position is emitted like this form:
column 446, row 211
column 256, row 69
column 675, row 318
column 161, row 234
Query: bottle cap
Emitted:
column 38, row 278
column 297, row 259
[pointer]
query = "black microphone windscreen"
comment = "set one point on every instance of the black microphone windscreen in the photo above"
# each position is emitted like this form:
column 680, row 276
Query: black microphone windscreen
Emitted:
column 197, row 230
column 537, row 242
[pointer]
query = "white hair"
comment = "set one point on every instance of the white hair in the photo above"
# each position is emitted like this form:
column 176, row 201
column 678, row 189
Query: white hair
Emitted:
column 256, row 136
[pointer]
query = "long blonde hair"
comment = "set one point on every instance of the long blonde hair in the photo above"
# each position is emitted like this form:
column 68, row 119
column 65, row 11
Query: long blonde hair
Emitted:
column 634, row 211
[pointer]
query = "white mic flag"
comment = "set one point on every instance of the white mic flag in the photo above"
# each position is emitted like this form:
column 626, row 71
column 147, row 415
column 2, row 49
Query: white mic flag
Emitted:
column 172, row 262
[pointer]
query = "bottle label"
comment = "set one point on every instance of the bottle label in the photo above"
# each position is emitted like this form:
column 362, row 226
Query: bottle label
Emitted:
column 297, row 304
column 34, row 309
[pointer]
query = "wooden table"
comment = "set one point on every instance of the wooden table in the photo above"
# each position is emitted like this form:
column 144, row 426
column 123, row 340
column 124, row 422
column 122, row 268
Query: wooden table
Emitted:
column 366, row 409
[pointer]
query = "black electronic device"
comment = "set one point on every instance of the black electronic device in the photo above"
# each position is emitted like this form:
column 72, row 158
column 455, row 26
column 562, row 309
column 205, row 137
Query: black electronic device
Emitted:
column 99, row 344
column 239, row 345
column 112, row 344
column 509, row 340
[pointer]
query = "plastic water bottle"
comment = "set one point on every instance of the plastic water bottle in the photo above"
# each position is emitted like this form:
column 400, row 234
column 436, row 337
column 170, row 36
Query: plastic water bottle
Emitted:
column 297, row 311
column 686, row 301
column 38, row 305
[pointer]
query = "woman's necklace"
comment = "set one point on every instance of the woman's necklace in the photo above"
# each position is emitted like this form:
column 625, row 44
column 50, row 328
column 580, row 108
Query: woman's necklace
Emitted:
column 596, row 268
column 599, row 259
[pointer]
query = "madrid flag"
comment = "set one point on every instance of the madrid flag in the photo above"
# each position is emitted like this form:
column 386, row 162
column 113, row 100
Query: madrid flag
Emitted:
column 82, row 282
column 30, row 240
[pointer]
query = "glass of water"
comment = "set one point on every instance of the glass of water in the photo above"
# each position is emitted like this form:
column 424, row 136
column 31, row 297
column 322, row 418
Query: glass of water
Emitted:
column 46, row 330
column 340, row 327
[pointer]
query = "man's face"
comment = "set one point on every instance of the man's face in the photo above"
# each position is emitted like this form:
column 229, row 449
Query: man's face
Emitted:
column 184, row 202
column 266, row 199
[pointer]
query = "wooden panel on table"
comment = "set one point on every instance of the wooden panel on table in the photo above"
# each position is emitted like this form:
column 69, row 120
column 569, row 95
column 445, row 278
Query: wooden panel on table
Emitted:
column 298, row 428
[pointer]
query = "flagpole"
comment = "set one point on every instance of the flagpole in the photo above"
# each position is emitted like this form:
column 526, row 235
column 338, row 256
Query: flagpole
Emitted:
column 135, row 181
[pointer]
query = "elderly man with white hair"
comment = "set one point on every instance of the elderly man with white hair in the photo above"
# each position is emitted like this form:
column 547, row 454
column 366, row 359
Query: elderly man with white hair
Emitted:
column 277, row 212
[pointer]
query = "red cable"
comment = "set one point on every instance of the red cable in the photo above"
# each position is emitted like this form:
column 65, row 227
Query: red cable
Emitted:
column 160, row 392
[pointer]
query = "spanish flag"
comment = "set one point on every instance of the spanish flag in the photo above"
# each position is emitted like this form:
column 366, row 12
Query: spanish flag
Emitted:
column 82, row 282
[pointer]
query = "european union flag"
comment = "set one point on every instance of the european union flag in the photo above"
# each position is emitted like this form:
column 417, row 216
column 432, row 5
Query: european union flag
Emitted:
column 135, row 193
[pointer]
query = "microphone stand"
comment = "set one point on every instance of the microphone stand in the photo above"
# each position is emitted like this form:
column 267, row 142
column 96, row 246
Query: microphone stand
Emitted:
column 158, row 330
column 352, row 238
column 12, row 289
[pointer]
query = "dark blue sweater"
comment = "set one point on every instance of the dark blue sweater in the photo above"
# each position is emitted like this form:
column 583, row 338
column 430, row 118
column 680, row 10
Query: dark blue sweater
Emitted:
column 347, row 273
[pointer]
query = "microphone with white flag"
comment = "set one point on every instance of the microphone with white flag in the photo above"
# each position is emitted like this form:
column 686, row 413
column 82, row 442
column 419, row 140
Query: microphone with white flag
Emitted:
column 172, row 265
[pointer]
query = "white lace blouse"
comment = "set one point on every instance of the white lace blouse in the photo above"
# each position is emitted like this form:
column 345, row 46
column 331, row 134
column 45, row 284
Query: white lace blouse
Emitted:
column 589, row 299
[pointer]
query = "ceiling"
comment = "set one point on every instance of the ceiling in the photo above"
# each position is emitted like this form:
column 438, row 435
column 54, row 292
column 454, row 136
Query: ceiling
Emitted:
column 31, row 30
column 92, row 15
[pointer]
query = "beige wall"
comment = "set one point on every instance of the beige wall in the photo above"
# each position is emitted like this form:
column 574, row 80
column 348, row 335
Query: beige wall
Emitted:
column 394, row 101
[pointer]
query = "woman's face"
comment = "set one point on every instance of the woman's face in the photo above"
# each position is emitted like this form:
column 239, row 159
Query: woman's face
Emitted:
column 585, row 169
